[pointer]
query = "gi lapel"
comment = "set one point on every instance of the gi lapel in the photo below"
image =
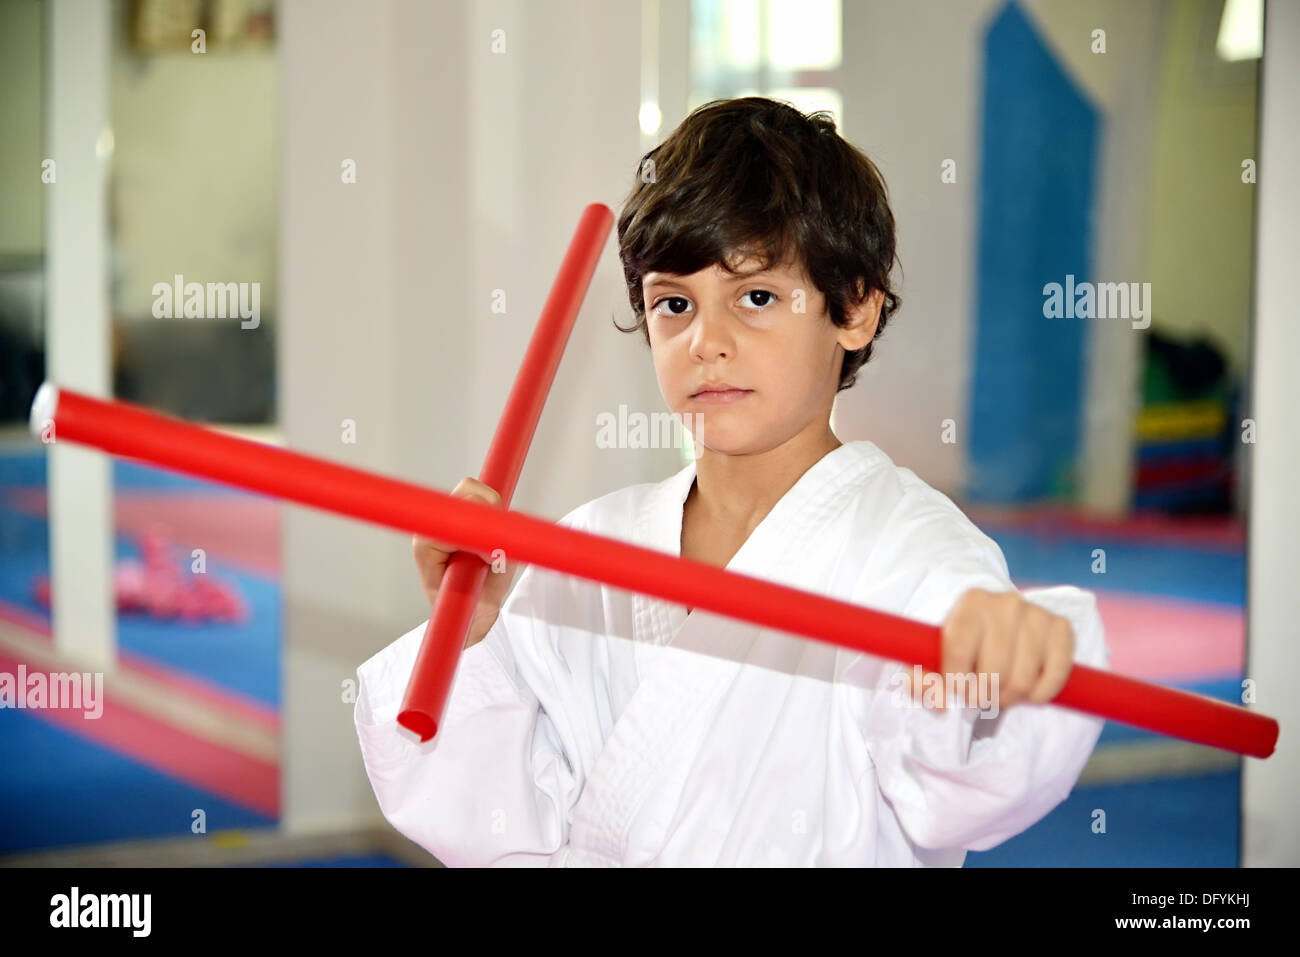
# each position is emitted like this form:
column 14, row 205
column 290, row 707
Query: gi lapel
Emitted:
column 685, row 663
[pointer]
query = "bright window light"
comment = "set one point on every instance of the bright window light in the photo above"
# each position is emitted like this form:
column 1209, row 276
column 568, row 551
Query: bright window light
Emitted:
column 805, row 34
column 1241, row 31
column 809, row 99
column 651, row 118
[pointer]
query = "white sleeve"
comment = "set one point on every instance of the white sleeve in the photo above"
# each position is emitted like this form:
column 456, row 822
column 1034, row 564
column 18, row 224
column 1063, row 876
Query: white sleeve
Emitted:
column 959, row 779
column 494, row 786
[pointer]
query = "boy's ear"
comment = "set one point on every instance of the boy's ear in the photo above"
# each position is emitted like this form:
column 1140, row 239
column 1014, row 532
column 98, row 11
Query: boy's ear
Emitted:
column 863, row 317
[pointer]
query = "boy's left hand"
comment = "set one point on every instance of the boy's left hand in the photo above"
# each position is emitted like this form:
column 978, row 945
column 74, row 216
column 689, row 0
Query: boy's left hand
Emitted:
column 1029, row 648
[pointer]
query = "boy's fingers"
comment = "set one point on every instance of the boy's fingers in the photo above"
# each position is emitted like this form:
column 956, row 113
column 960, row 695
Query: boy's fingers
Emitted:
column 999, row 648
column 963, row 645
column 467, row 488
column 961, row 640
column 1058, row 664
column 472, row 487
column 420, row 544
column 1037, row 624
column 1025, row 671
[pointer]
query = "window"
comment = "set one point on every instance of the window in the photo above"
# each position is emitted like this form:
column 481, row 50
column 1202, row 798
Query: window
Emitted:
column 786, row 49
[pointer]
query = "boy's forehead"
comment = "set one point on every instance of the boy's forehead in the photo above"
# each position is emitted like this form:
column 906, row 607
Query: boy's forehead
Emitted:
column 743, row 267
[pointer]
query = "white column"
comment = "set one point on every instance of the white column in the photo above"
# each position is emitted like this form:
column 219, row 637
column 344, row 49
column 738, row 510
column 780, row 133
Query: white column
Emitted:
column 79, row 142
column 480, row 130
column 1270, row 829
column 336, row 334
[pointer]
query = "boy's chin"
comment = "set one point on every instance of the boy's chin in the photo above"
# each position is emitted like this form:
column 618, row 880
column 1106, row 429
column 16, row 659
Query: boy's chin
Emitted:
column 727, row 441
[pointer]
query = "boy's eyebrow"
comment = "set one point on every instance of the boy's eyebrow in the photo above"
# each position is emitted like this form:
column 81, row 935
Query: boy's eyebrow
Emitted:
column 655, row 279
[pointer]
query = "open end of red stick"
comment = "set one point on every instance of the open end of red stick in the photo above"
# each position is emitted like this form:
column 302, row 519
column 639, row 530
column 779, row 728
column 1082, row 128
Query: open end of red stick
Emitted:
column 44, row 405
column 418, row 722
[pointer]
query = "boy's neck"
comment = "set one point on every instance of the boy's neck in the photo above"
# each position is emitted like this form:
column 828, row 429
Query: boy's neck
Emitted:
column 737, row 491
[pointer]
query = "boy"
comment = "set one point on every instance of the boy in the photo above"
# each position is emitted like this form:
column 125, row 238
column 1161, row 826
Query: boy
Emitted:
column 591, row 726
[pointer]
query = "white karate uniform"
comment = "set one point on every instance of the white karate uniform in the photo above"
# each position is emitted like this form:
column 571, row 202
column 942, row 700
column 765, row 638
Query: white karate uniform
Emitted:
column 594, row 726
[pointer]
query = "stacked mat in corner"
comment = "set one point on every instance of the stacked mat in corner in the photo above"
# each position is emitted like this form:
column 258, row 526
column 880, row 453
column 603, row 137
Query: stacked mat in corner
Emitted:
column 1188, row 432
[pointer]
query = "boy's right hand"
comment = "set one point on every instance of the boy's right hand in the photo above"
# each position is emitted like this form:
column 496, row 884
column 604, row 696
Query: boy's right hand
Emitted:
column 431, row 559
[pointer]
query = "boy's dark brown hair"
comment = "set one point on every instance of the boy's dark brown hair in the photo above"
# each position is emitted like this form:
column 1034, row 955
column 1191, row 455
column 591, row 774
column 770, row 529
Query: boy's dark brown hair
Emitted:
column 755, row 176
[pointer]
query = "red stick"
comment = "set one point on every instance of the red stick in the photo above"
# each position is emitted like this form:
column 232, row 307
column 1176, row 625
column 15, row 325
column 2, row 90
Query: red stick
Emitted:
column 462, row 582
column 127, row 430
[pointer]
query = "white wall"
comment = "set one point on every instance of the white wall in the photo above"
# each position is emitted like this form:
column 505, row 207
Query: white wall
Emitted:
column 912, row 87
column 193, row 170
column 22, row 109
column 1202, row 224
column 472, row 171
column 83, row 613
column 1271, row 788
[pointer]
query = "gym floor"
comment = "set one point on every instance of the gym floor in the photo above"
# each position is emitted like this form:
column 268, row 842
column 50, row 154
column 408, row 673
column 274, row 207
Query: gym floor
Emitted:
column 193, row 732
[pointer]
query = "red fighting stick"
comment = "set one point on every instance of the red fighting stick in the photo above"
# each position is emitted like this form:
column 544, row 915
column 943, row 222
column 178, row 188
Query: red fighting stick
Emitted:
column 462, row 582
column 130, row 431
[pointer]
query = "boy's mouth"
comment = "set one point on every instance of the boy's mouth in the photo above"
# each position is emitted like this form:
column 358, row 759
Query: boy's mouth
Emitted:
column 721, row 394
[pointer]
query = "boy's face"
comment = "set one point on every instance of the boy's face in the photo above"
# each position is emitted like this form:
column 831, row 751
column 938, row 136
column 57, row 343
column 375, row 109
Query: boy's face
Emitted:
column 767, row 333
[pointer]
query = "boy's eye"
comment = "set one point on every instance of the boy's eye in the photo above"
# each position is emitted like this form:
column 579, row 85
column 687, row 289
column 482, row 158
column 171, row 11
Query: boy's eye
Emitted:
column 763, row 297
column 666, row 299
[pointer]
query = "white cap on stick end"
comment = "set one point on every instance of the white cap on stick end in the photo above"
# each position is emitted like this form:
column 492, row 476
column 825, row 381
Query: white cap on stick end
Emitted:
column 43, row 408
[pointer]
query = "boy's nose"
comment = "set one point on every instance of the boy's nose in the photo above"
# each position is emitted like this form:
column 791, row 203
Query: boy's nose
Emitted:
column 711, row 338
